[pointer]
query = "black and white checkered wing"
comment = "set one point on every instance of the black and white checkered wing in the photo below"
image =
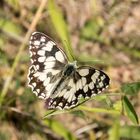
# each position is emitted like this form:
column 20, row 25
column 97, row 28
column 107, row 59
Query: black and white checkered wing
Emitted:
column 90, row 82
column 65, row 96
column 47, row 63
column 85, row 82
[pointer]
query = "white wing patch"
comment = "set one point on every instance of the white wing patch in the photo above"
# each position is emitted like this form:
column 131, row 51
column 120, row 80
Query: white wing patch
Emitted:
column 48, row 47
column 84, row 72
column 59, row 56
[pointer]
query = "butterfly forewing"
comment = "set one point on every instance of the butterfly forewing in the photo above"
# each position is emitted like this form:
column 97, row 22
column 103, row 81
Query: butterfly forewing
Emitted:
column 47, row 63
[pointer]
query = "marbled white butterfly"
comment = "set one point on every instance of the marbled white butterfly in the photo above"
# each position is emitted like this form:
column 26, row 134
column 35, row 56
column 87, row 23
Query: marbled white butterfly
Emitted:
column 57, row 81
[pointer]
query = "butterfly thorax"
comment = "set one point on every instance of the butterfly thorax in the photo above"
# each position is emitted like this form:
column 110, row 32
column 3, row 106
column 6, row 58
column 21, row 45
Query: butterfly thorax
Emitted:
column 69, row 69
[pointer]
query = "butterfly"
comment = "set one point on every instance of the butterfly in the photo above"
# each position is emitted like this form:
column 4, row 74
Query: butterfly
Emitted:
column 53, row 78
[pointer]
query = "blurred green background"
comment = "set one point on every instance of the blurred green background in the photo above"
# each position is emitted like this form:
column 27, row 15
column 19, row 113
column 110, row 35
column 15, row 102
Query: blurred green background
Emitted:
column 104, row 34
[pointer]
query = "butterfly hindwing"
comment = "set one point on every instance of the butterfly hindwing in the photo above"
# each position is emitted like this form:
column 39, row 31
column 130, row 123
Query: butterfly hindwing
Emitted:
column 47, row 63
column 65, row 96
column 90, row 82
column 85, row 82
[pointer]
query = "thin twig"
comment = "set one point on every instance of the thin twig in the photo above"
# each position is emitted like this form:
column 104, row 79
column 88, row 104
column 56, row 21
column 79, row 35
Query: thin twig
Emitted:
column 22, row 47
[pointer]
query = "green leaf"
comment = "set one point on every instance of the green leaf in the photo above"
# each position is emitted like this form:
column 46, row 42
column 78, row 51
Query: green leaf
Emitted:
column 131, row 88
column 61, row 27
column 130, row 132
column 58, row 128
column 114, row 133
column 130, row 112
